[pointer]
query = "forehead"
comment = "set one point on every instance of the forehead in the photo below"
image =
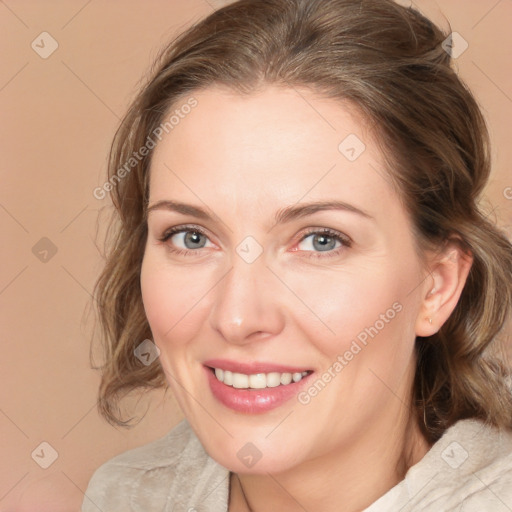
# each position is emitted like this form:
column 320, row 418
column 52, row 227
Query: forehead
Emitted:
column 274, row 145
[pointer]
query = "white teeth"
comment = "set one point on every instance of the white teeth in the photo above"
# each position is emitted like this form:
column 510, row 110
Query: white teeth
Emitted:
column 286, row 378
column 228, row 378
column 240, row 380
column 273, row 380
column 257, row 380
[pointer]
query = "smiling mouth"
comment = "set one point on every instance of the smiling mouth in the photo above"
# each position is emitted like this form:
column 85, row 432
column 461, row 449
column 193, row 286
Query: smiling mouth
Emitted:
column 257, row 380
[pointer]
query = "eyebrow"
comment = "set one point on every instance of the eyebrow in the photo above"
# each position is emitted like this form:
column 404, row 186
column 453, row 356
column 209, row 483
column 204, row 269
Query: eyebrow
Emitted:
column 283, row 215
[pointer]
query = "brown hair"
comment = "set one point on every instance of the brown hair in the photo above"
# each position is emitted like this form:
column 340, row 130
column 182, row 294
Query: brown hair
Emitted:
column 387, row 61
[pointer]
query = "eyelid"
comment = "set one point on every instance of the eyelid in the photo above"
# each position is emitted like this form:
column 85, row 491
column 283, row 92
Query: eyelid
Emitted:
column 327, row 231
column 345, row 240
column 183, row 228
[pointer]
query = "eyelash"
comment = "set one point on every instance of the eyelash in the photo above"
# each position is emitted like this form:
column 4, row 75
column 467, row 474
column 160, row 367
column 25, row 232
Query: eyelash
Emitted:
column 345, row 240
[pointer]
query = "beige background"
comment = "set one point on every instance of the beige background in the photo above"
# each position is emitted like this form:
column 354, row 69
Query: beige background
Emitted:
column 58, row 115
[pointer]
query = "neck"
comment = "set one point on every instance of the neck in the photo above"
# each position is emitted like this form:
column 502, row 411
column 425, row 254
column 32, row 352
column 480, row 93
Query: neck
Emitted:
column 353, row 477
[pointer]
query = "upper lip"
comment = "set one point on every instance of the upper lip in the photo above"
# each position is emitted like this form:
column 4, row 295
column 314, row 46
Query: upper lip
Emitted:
column 253, row 367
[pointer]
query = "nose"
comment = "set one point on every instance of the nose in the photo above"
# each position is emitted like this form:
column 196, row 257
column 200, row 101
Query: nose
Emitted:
column 247, row 304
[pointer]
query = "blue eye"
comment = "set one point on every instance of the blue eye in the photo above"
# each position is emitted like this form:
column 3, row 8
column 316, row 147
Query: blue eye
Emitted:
column 191, row 236
column 321, row 242
column 325, row 242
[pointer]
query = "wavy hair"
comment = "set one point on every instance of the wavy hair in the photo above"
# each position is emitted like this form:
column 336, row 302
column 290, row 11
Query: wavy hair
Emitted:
column 388, row 62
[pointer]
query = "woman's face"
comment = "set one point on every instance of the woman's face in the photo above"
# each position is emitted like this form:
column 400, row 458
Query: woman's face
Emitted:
column 260, row 279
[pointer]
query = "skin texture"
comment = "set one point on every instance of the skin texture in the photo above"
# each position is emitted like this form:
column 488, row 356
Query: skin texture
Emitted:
column 243, row 158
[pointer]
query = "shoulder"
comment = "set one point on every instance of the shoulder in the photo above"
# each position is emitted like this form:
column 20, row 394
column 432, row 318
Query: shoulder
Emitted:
column 486, row 482
column 173, row 471
column 469, row 469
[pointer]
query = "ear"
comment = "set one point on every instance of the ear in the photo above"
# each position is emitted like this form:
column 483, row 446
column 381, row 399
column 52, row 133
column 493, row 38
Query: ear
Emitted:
column 441, row 290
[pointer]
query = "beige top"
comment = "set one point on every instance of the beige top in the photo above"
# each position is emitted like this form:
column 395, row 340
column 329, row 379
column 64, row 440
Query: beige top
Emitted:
column 468, row 470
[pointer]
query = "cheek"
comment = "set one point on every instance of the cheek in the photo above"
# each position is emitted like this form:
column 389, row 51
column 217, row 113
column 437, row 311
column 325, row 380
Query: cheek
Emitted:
column 171, row 300
column 344, row 305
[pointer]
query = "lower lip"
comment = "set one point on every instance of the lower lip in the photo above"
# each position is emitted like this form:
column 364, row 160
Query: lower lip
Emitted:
column 252, row 401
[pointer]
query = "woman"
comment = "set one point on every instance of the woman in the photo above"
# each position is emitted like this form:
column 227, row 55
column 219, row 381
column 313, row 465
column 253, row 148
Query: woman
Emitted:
column 299, row 234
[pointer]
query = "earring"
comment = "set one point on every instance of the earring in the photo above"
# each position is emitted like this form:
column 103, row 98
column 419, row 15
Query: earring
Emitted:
column 432, row 291
column 429, row 320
